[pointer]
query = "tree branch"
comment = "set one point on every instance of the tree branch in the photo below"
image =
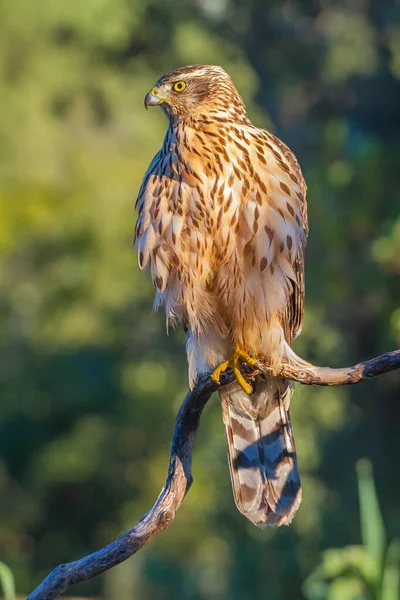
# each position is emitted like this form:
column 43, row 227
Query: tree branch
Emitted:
column 308, row 374
column 179, row 477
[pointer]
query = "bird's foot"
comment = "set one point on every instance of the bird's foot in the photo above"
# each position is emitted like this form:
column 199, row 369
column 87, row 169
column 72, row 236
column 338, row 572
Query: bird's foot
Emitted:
column 238, row 357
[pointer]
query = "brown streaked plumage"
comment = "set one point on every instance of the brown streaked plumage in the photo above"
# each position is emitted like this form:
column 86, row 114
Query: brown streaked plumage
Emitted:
column 222, row 225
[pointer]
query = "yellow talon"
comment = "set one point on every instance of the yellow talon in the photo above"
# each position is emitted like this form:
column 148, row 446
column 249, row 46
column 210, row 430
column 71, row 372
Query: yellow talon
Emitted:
column 246, row 387
column 216, row 375
column 246, row 358
column 238, row 356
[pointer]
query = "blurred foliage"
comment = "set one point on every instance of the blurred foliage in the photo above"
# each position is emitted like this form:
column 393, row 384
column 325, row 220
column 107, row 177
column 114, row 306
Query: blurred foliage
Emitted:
column 367, row 572
column 89, row 381
column 7, row 583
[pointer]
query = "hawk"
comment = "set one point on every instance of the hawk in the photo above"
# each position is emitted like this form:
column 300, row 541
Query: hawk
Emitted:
column 222, row 224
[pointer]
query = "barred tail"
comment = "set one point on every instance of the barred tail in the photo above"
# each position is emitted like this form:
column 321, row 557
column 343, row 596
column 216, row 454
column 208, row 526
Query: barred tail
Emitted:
column 261, row 451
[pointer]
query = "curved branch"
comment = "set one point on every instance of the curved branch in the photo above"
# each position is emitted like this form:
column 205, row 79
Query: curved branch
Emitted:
column 179, row 477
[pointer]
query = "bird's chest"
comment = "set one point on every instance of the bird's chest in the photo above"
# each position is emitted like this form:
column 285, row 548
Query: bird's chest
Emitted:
column 208, row 179
column 200, row 204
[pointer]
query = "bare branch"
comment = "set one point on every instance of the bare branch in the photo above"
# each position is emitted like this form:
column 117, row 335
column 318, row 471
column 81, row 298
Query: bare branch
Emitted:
column 308, row 374
column 179, row 477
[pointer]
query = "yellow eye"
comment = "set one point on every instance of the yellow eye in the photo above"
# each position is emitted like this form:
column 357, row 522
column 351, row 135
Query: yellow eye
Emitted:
column 179, row 86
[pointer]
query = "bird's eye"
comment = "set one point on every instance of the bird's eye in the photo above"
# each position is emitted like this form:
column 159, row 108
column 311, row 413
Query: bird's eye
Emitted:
column 179, row 86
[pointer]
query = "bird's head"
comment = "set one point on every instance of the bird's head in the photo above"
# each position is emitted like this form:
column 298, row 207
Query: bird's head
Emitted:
column 199, row 91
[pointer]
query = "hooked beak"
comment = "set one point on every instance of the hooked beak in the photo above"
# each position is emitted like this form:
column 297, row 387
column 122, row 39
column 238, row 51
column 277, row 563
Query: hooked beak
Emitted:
column 152, row 98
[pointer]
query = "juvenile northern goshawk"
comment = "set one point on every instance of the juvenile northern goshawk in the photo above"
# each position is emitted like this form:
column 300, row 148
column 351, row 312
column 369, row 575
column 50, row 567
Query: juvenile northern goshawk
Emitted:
column 223, row 224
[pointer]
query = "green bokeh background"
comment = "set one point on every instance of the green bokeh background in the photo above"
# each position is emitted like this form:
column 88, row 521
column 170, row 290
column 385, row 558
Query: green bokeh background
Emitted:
column 89, row 381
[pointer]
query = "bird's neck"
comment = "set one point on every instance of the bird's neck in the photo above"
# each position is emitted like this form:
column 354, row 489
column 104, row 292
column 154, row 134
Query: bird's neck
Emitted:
column 203, row 121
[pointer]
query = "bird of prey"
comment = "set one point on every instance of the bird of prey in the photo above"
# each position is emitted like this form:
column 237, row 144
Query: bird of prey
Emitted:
column 222, row 223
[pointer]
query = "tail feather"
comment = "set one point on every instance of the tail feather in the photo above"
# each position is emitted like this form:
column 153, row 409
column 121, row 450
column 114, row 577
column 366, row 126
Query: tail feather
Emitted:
column 261, row 451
